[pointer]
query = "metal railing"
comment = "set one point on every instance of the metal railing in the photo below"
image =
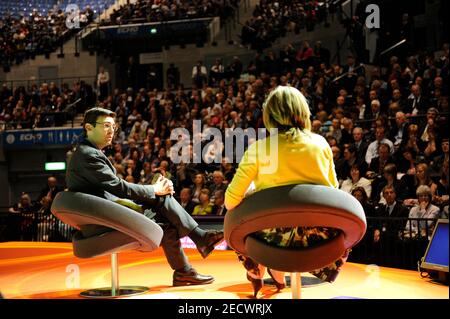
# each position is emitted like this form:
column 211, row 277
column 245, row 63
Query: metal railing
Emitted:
column 397, row 242
column 59, row 81
column 33, row 227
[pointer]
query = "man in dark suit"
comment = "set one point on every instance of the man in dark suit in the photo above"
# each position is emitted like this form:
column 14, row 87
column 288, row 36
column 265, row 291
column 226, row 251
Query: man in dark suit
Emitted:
column 186, row 200
column 360, row 144
column 219, row 203
column 399, row 132
column 416, row 103
column 353, row 71
column 90, row 171
column 51, row 190
column 393, row 219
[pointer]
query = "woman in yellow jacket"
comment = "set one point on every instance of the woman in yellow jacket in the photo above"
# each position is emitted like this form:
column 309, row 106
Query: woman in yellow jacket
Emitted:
column 298, row 156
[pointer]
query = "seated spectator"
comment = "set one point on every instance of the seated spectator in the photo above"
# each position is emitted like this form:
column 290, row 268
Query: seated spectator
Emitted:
column 217, row 184
column 199, row 185
column 132, row 170
column 399, row 133
column 337, row 159
column 422, row 177
column 440, row 199
column 228, row 170
column 389, row 228
column 350, row 158
column 438, row 161
column 163, row 170
column 360, row 143
column 372, row 149
column 219, row 203
column 205, row 207
column 429, row 147
column 389, row 178
column 412, row 142
column 335, row 130
column 416, row 102
column 360, row 194
column 377, row 164
column 356, row 179
column 406, row 163
column 423, row 209
column 185, row 200
column 146, row 174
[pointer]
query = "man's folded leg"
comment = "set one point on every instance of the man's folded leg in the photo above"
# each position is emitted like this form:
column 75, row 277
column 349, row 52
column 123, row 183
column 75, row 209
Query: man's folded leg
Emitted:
column 184, row 273
column 205, row 240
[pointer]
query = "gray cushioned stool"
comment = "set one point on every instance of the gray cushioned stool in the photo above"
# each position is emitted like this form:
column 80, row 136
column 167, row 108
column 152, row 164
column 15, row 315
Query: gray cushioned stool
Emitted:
column 106, row 228
column 295, row 206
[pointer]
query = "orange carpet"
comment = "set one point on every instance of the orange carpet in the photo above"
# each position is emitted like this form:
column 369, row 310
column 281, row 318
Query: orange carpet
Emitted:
column 49, row 270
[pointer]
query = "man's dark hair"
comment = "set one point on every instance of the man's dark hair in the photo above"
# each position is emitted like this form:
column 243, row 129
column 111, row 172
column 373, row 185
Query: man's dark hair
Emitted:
column 91, row 116
column 389, row 187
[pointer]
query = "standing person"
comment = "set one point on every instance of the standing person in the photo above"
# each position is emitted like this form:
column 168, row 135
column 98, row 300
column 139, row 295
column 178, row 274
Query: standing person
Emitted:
column 90, row 171
column 199, row 75
column 285, row 109
column 51, row 189
column 102, row 83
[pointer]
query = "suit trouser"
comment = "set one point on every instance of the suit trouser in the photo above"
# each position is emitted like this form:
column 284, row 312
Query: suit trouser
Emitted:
column 176, row 223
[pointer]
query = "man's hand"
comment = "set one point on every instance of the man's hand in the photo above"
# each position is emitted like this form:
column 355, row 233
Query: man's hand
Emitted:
column 163, row 186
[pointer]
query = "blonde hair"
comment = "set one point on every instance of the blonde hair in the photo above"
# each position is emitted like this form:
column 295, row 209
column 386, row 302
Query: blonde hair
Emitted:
column 287, row 109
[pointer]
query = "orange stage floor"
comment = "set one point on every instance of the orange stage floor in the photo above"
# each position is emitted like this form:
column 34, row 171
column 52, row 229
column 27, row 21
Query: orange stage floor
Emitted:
column 49, row 270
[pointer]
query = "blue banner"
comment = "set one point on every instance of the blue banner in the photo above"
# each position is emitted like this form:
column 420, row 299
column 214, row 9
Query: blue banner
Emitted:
column 154, row 31
column 40, row 137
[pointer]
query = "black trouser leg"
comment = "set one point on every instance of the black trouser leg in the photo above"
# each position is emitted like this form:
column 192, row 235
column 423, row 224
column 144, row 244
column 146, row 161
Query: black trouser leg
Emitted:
column 169, row 208
column 171, row 245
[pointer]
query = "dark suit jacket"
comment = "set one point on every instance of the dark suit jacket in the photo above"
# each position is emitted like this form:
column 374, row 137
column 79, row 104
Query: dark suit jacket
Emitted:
column 90, row 171
column 394, row 225
column 361, row 151
column 374, row 165
column 189, row 207
column 393, row 132
column 53, row 193
column 215, row 210
column 422, row 104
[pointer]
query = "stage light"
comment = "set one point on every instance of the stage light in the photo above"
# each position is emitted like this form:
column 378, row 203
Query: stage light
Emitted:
column 55, row 166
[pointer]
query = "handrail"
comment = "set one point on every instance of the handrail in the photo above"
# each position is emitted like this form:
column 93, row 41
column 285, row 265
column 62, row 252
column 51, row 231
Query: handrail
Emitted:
column 59, row 80
column 88, row 29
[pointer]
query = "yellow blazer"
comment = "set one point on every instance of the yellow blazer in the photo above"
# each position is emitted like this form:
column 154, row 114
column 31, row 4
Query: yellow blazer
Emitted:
column 308, row 161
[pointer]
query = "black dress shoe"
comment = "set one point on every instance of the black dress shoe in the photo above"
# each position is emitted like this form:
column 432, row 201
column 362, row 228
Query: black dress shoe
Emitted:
column 212, row 238
column 191, row 277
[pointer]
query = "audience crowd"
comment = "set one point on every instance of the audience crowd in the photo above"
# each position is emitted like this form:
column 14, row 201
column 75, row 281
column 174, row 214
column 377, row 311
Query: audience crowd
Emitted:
column 273, row 19
column 24, row 36
column 43, row 105
column 386, row 128
column 167, row 10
